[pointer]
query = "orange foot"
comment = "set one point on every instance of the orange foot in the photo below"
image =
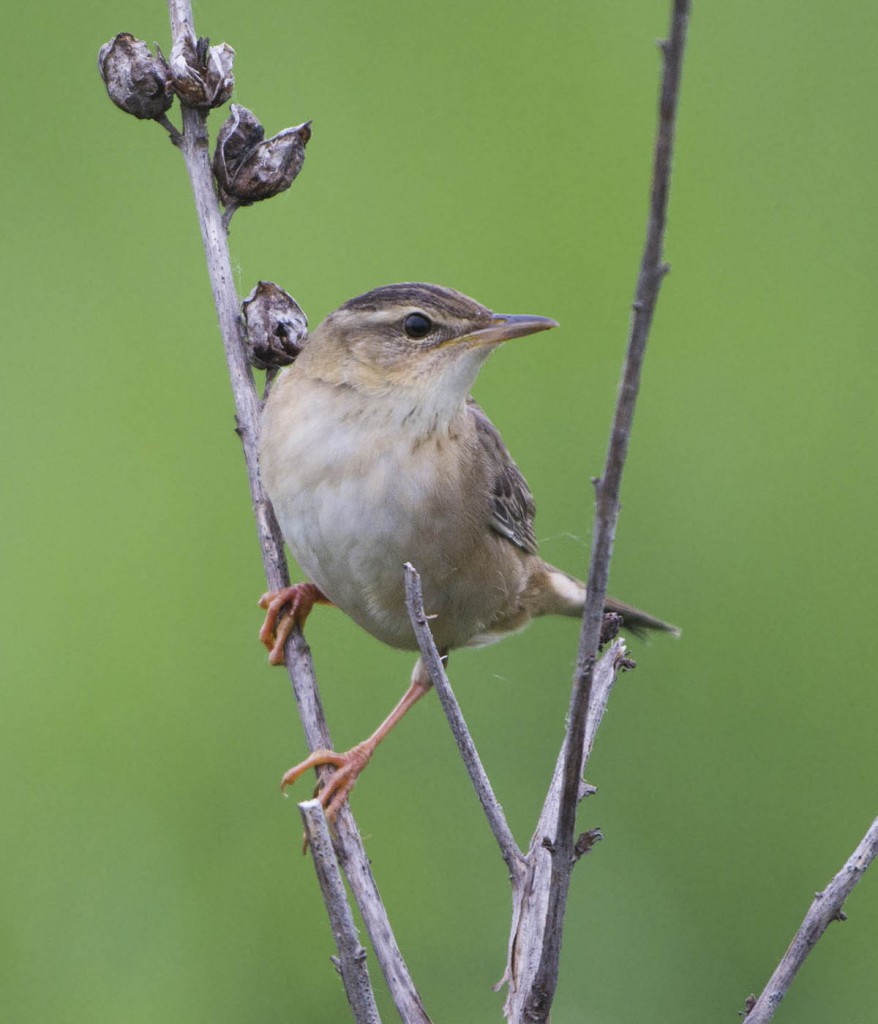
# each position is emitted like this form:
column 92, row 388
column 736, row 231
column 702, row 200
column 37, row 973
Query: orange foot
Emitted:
column 337, row 787
column 301, row 598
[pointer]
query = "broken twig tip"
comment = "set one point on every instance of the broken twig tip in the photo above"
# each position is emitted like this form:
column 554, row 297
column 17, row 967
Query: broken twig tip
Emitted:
column 586, row 842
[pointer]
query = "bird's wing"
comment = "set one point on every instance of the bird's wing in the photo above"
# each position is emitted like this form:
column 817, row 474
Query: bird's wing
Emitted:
column 512, row 505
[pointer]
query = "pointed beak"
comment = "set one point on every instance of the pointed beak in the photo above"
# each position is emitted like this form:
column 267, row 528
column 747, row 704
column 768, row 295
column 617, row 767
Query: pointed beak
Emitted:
column 505, row 327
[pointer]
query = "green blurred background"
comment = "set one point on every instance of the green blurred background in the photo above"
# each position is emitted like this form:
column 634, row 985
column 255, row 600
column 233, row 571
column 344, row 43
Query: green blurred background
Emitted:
column 150, row 869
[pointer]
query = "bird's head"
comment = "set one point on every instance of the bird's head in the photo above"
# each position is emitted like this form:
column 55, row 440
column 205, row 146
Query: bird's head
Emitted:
column 418, row 339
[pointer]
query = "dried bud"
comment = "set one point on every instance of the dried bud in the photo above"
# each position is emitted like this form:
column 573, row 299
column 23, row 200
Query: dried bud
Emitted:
column 136, row 81
column 276, row 326
column 248, row 167
column 585, row 843
column 610, row 626
column 201, row 73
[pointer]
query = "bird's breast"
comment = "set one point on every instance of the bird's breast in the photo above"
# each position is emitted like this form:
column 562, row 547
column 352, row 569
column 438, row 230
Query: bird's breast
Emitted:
column 357, row 495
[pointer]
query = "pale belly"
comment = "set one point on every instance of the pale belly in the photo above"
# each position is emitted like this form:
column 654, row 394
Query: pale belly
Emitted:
column 353, row 515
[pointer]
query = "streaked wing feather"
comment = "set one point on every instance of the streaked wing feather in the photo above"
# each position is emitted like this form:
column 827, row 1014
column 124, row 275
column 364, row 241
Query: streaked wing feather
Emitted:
column 512, row 505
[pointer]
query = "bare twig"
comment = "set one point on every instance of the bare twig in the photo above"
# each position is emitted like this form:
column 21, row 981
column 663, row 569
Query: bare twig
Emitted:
column 825, row 909
column 530, row 875
column 349, row 847
column 652, row 270
column 176, row 136
column 530, row 894
column 436, row 670
column 351, row 961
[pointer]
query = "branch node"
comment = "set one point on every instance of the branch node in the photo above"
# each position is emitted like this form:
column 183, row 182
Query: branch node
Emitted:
column 610, row 626
column 586, row 790
column 749, row 1003
column 172, row 130
column 586, row 842
column 228, row 213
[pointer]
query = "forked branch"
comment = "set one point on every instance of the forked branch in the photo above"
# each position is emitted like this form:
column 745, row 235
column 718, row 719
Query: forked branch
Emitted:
column 530, row 874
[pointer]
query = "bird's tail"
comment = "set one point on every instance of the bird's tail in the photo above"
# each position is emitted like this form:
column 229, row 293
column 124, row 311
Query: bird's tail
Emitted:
column 637, row 622
column 568, row 598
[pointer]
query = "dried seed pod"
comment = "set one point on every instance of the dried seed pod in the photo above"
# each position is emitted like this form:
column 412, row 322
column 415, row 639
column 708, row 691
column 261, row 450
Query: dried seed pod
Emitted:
column 276, row 326
column 249, row 167
column 201, row 73
column 240, row 133
column 136, row 81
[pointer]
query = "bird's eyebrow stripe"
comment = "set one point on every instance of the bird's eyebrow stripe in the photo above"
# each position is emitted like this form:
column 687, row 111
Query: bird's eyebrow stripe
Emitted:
column 346, row 316
column 413, row 297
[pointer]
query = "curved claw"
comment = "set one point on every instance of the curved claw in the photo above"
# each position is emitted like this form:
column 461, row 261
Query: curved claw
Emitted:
column 275, row 631
column 335, row 790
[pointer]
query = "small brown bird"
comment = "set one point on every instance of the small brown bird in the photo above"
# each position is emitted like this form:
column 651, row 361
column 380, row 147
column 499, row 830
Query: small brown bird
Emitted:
column 374, row 454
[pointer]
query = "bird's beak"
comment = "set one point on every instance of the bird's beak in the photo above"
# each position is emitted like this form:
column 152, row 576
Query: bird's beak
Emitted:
column 505, row 327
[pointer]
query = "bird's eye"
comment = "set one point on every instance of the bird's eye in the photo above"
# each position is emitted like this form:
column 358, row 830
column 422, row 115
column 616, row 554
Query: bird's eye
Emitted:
column 416, row 325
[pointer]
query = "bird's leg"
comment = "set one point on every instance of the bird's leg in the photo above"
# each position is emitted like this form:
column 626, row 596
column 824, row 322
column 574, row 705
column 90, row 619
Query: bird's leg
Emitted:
column 301, row 598
column 337, row 786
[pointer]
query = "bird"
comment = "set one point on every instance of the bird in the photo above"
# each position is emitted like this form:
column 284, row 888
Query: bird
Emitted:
column 374, row 454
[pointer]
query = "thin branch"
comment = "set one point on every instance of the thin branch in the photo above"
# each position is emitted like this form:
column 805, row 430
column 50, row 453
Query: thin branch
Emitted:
column 530, row 895
column 652, row 270
column 176, row 136
column 436, row 670
column 349, row 847
column 530, row 875
column 825, row 909
column 351, row 961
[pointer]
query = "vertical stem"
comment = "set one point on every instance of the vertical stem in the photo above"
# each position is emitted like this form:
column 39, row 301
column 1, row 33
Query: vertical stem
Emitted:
column 351, row 960
column 348, row 845
column 652, row 270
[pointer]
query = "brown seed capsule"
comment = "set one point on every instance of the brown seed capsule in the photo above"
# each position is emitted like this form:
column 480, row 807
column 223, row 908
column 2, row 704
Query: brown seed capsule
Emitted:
column 201, row 73
column 136, row 81
column 249, row 167
column 276, row 326
column 240, row 133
